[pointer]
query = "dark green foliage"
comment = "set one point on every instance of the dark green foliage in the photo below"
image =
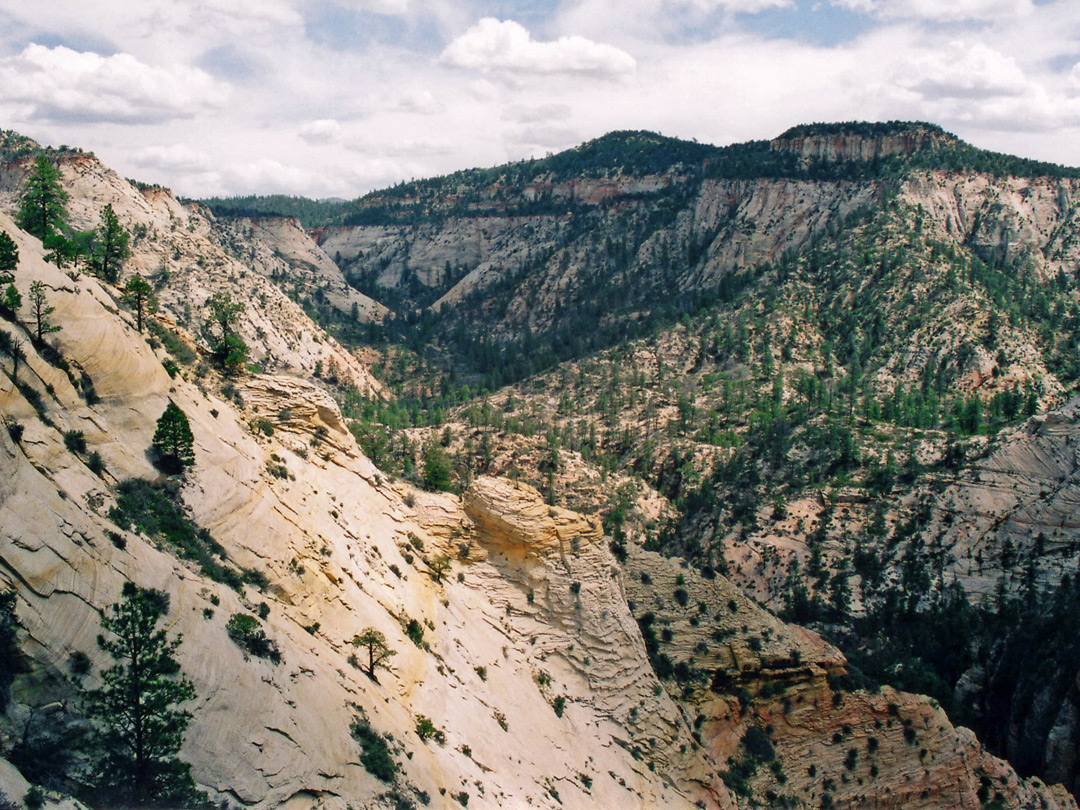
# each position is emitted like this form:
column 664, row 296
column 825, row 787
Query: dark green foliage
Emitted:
column 139, row 730
column 11, row 302
column 110, row 247
column 373, row 646
column 376, row 757
column 40, row 310
column 248, row 634
column 95, row 463
column 139, row 295
column 427, row 730
column 311, row 213
column 757, row 745
column 143, row 507
column 42, row 207
column 75, row 441
column 51, row 742
column 415, row 631
column 173, row 443
column 9, row 258
column 229, row 350
column 79, row 663
column 7, row 646
column 34, row 798
column 172, row 343
column 437, row 469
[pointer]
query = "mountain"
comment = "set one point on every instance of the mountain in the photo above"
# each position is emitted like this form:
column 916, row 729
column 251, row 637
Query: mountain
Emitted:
column 546, row 653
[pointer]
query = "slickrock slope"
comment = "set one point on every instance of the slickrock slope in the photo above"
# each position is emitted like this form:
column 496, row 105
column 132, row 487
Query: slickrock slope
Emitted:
column 342, row 549
column 178, row 249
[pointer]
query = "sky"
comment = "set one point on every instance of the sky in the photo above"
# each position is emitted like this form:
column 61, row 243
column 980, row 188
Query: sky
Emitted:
column 334, row 98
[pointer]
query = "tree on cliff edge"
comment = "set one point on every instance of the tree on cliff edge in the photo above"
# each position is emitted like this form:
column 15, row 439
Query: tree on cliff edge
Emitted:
column 42, row 207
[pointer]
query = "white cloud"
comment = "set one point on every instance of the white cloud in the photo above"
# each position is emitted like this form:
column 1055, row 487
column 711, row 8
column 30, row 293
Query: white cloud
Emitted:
column 322, row 131
column 941, row 10
column 493, row 45
column 273, row 176
column 387, row 7
column 62, row 84
column 417, row 100
column 961, row 70
column 179, row 158
column 741, row 6
column 971, row 85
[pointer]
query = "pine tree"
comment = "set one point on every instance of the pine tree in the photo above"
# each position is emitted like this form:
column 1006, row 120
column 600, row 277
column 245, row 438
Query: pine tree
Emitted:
column 173, row 441
column 140, row 730
column 9, row 258
column 219, row 329
column 43, row 205
column 111, row 248
column 11, row 302
column 139, row 295
column 40, row 310
column 378, row 653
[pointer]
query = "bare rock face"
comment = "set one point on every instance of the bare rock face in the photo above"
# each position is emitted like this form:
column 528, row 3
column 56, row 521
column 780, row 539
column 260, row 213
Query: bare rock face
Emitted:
column 512, row 517
column 279, row 248
column 849, row 146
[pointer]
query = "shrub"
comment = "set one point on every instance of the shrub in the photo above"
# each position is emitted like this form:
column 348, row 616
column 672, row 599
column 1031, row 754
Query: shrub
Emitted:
column 15, row 430
column 427, row 730
column 95, row 463
column 145, row 508
column 75, row 441
column 415, row 631
column 79, row 663
column 376, row 757
column 248, row 634
column 34, row 798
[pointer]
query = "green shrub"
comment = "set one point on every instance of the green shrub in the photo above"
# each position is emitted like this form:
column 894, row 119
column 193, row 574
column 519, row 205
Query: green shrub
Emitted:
column 415, row 631
column 144, row 508
column 75, row 441
column 248, row 634
column 559, row 705
column 427, row 730
column 34, row 798
column 376, row 757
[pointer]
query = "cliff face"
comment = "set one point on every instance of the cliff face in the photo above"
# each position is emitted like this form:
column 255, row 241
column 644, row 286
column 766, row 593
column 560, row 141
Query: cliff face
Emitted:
column 836, row 147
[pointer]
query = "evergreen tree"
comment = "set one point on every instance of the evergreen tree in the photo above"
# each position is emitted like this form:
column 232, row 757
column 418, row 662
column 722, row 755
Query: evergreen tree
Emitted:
column 139, row 295
column 7, row 646
column 173, row 441
column 229, row 349
column 111, row 248
column 11, row 302
column 40, row 310
column 437, row 469
column 43, row 205
column 374, row 645
column 9, row 258
column 140, row 730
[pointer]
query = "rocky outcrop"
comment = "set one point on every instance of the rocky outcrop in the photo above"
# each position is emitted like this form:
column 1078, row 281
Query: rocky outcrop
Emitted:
column 838, row 146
